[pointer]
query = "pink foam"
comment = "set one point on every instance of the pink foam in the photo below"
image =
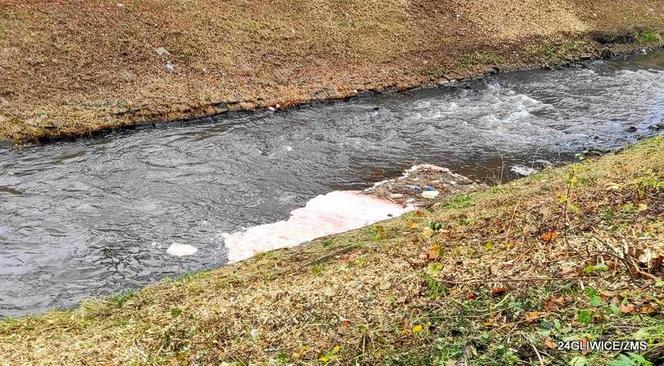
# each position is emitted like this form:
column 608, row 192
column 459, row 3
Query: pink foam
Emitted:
column 328, row 214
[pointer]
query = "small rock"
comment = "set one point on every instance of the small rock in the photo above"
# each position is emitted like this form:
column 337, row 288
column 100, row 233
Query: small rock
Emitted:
column 430, row 194
column 396, row 195
column 523, row 171
column 170, row 67
column 161, row 51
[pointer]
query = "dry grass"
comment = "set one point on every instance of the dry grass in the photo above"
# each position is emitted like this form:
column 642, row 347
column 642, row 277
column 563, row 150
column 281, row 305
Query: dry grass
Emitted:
column 570, row 253
column 70, row 68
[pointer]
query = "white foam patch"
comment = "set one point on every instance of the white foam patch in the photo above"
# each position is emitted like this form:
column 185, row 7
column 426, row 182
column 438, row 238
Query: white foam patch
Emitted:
column 523, row 170
column 181, row 250
column 328, row 214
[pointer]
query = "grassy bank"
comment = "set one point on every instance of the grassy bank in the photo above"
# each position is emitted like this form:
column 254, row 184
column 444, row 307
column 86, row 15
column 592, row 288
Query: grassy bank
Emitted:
column 72, row 68
column 494, row 277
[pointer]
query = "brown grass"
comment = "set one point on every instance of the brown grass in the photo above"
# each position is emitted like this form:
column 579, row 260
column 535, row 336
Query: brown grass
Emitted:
column 558, row 255
column 70, row 68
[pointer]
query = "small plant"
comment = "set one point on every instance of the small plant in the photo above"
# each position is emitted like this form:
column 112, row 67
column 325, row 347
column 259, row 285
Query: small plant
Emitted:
column 175, row 312
column 120, row 299
column 600, row 267
column 458, row 201
column 331, row 355
column 318, row 270
column 434, row 289
column 631, row 359
column 650, row 37
column 376, row 232
column 435, row 226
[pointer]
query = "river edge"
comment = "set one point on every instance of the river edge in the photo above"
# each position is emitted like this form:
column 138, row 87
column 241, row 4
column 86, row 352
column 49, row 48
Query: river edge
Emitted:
column 508, row 273
column 561, row 50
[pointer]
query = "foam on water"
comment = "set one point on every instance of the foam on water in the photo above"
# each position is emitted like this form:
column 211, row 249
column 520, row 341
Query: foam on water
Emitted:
column 327, row 214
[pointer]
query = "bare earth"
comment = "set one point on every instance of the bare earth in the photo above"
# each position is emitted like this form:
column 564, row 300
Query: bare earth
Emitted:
column 72, row 68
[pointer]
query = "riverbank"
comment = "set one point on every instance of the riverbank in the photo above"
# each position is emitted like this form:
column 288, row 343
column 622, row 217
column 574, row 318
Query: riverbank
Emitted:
column 497, row 276
column 77, row 68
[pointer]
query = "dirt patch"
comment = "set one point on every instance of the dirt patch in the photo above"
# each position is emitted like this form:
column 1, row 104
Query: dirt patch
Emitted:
column 75, row 68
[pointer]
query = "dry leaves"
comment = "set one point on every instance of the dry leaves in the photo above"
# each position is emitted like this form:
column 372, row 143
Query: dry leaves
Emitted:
column 434, row 252
column 549, row 236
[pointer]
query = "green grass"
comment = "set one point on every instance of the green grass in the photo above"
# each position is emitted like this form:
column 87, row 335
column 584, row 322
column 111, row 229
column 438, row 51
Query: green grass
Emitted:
column 650, row 37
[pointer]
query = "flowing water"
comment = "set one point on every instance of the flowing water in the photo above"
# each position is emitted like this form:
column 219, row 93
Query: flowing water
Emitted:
column 96, row 216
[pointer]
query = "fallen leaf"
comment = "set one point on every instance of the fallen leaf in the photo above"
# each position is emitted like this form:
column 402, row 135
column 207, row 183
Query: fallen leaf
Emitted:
column 471, row 296
column 434, row 252
column 627, row 308
column 554, row 303
column 613, row 187
column 549, row 236
column 648, row 309
column 550, row 343
column 427, row 233
column 498, row 291
column 533, row 316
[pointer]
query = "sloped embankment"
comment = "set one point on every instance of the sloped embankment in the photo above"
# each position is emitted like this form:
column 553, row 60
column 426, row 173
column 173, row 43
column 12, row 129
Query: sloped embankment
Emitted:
column 491, row 277
column 72, row 68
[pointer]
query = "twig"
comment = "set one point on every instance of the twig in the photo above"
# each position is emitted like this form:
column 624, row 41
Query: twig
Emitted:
column 626, row 260
column 539, row 357
column 527, row 279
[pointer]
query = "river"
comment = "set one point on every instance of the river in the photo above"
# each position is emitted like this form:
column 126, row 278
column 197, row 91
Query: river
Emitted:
column 96, row 216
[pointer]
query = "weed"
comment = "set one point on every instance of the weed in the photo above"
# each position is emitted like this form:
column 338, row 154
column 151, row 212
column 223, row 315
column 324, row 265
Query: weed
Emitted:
column 318, row 270
column 434, row 288
column 435, row 226
column 458, row 201
column 118, row 300
column 650, row 37
column 376, row 232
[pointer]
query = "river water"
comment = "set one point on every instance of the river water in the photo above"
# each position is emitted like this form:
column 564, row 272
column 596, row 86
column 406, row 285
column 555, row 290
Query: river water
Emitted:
column 96, row 216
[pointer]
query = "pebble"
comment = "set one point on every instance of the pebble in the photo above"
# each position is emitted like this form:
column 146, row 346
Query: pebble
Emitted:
column 430, row 194
column 161, row 51
column 523, row 170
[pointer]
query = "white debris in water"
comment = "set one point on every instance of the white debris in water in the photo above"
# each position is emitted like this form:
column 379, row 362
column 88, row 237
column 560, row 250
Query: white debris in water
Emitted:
column 323, row 215
column 181, row 250
column 523, row 170
column 430, row 194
